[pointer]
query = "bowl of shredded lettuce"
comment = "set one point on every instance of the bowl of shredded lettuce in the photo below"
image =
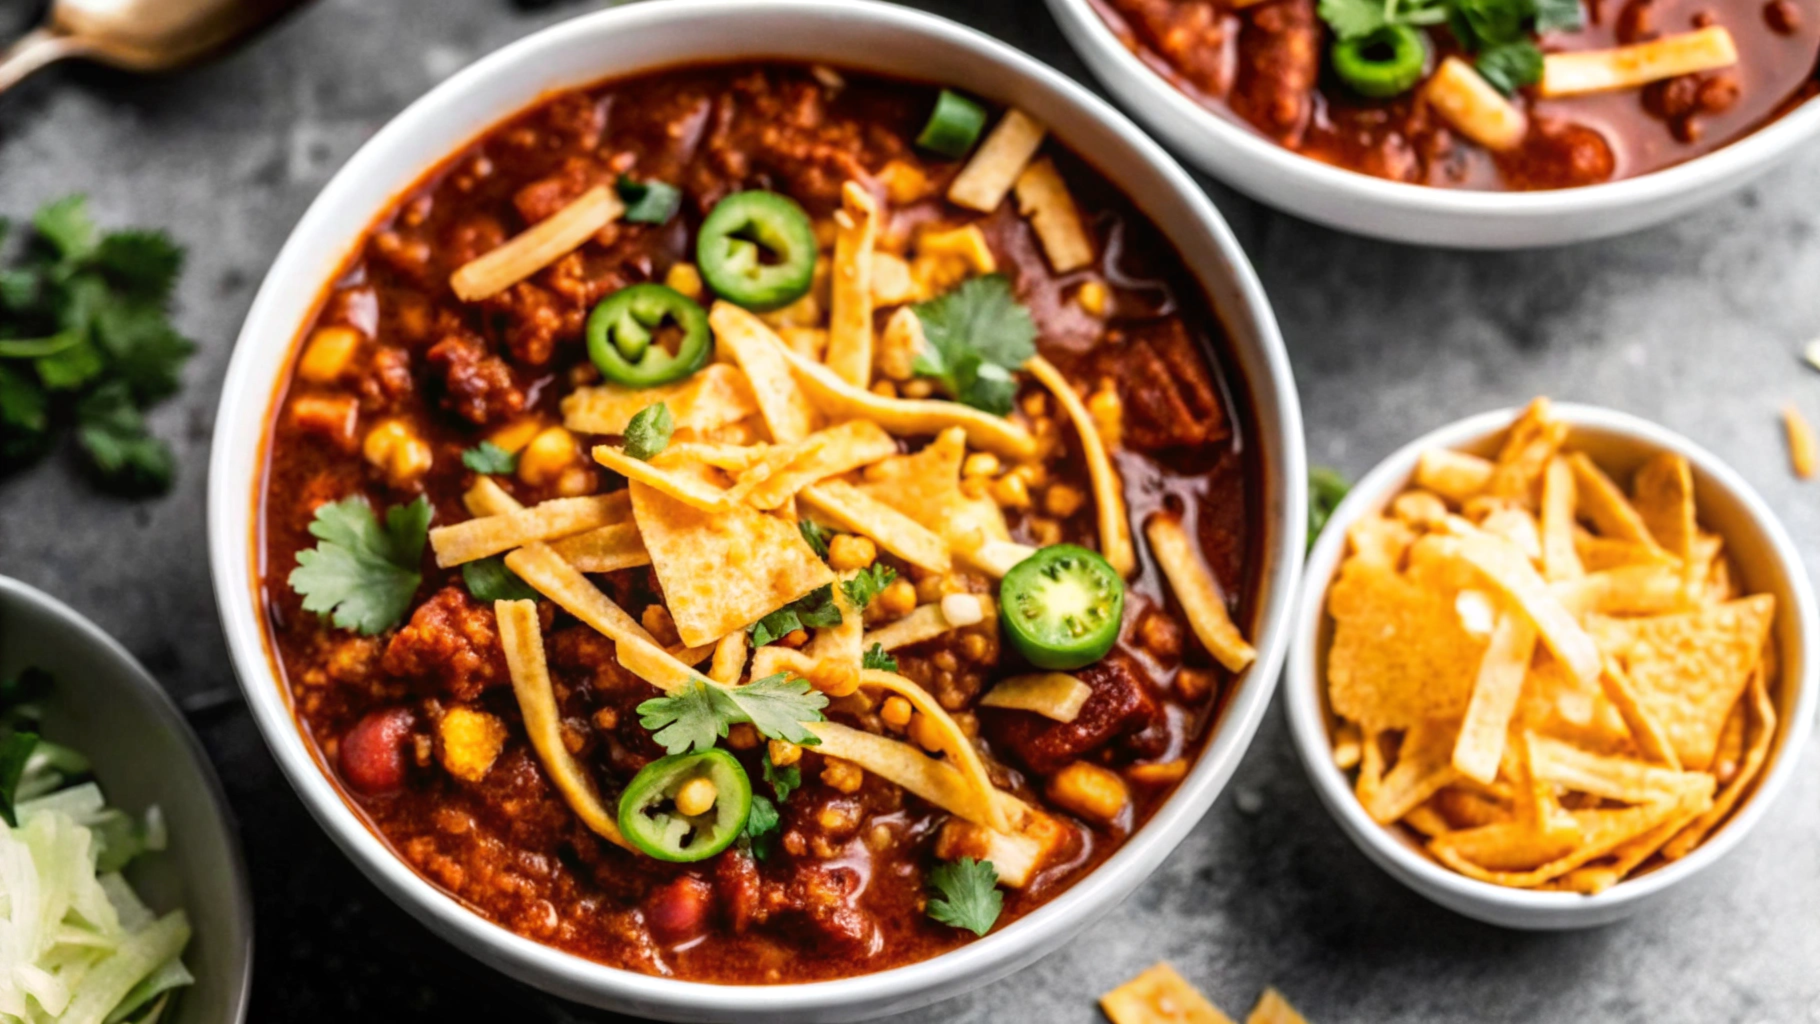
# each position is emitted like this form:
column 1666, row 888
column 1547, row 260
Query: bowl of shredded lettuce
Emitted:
column 123, row 895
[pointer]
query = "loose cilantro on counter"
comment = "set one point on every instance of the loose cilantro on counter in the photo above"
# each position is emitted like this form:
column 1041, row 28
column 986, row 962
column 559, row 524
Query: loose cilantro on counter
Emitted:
column 362, row 573
column 816, row 608
column 1326, row 489
column 702, row 712
column 86, row 341
column 489, row 458
column 649, row 431
column 977, row 334
column 970, row 897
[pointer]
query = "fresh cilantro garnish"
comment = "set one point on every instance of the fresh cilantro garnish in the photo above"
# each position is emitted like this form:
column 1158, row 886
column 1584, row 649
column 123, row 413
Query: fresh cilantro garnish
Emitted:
column 1500, row 32
column 762, row 822
column 816, row 535
column 1356, row 19
column 867, row 584
column 363, row 573
column 970, row 897
column 649, row 431
column 1326, row 489
column 86, row 340
column 489, row 580
column 1559, row 15
column 977, row 334
column 1510, row 66
column 816, row 608
column 784, row 781
column 877, row 657
column 487, row 457
column 15, row 750
column 648, row 202
column 702, row 712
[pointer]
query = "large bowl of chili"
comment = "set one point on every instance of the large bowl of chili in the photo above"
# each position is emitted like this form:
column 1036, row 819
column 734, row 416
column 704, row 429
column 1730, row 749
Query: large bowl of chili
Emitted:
column 1480, row 124
column 379, row 679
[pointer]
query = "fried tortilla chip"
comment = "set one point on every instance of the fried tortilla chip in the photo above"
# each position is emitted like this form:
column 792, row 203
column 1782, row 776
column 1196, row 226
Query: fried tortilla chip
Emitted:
column 1612, row 778
column 824, row 454
column 1664, row 494
column 1400, row 654
column 1453, row 475
column 1160, row 996
column 1424, row 764
column 1055, row 695
column 1480, row 746
column 1646, row 733
column 841, row 504
column 1604, row 504
column 607, row 549
column 1272, row 1008
column 714, row 397
column 1108, row 488
column 926, row 487
column 787, row 411
column 850, row 315
column 1532, row 441
column 1762, row 725
column 1559, row 559
column 1558, row 705
column 1650, row 588
column 559, row 517
column 1194, row 587
column 1507, row 568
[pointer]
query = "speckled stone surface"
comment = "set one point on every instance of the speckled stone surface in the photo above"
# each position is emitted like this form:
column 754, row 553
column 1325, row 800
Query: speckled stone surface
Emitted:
column 1696, row 325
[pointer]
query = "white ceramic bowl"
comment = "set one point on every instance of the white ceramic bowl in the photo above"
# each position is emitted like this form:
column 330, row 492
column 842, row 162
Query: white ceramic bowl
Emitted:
column 1618, row 442
column 644, row 37
column 1231, row 151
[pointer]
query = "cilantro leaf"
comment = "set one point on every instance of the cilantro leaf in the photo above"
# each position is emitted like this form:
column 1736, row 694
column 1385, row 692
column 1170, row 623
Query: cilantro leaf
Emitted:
column 867, row 584
column 1482, row 24
column 976, row 335
column 38, row 348
column 1558, row 15
column 362, row 573
column 816, row 608
column 489, row 580
column 24, row 416
column 778, row 706
column 761, row 826
column 877, row 657
column 970, row 898
column 1353, row 19
column 143, row 347
column 816, row 535
column 1326, row 489
column 648, row 202
column 487, row 457
column 15, row 750
column 690, row 719
column 1510, row 66
column 784, row 781
column 144, row 263
column 72, row 367
column 112, row 432
column 65, row 224
column 649, row 431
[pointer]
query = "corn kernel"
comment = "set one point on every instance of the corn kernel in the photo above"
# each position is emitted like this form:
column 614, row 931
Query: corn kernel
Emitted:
column 515, row 435
column 975, row 486
column 328, row 354
column 1107, row 412
column 576, row 481
column 696, row 796
column 1092, row 297
column 975, row 647
column 967, row 242
column 657, row 622
column 1194, row 684
column 980, row 464
column 471, row 741
column 684, row 278
column 929, row 589
column 1063, row 500
column 898, row 599
column 904, row 182
column 892, row 282
column 843, row 776
column 549, row 453
column 847, row 552
column 884, row 388
column 742, row 736
column 783, row 755
column 1043, row 530
column 925, row 733
column 834, row 678
column 606, row 719
column 394, row 449
column 896, row 713
column 1089, row 791
column 962, row 610
column 1160, row 774
column 1011, row 491
column 921, row 387
column 1035, row 404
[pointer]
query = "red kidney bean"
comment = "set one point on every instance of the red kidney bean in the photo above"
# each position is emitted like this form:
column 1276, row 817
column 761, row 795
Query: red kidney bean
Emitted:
column 678, row 911
column 372, row 752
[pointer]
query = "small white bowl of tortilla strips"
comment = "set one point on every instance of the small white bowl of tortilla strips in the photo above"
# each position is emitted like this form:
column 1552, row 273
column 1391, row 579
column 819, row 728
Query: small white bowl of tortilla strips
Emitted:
column 1551, row 662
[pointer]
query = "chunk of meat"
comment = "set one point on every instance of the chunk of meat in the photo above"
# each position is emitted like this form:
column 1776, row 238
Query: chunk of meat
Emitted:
column 451, row 642
column 477, row 385
column 1190, row 35
column 543, row 197
column 736, row 882
column 823, row 896
column 387, row 381
column 372, row 753
column 775, row 132
column 1558, row 154
column 679, row 910
column 1279, row 65
column 1168, row 397
column 1121, row 704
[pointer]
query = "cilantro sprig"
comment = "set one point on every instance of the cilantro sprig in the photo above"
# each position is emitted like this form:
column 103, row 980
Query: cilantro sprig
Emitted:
column 977, row 335
column 867, row 584
column 1326, row 489
column 363, row 575
column 1500, row 33
column 814, row 609
column 702, row 712
column 86, row 342
column 877, row 657
column 648, row 202
column 783, row 781
column 969, row 895
column 488, row 458
column 489, row 580
column 816, row 536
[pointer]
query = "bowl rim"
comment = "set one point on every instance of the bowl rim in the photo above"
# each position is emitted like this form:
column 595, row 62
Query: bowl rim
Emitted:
column 241, row 892
column 1735, row 161
column 246, row 403
column 1308, row 718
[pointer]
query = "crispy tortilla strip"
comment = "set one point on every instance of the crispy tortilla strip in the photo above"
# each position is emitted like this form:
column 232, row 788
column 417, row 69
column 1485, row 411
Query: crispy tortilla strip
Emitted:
column 559, row 581
column 1604, row 504
column 926, row 486
column 912, row 417
column 1160, row 996
column 839, row 645
column 1554, row 704
column 901, row 764
column 1533, row 440
column 850, row 318
column 1763, row 735
column 787, row 411
column 1195, row 588
column 1689, row 669
column 828, row 453
column 538, row 246
column 1108, row 489
column 841, row 504
column 1419, row 509
column 1017, row 857
column 1474, row 106
column 713, row 397
column 1424, row 765
column 1628, row 67
column 926, row 622
column 729, row 658
column 1509, row 845
column 1453, row 475
column 1042, row 197
column 1613, row 778
column 1516, row 526
column 487, row 498
column 729, row 458
column 1480, row 745
column 1507, row 568
column 1600, row 553
column 722, row 571
column 1400, row 654
column 690, row 488
column 1272, row 1008
column 1648, row 589
column 1560, row 561
column 607, row 549
column 559, row 517
column 996, row 557
column 1371, row 766
column 1597, row 877
column 1803, row 444
column 961, row 753
column 1055, row 695
column 1377, row 541
column 982, row 184
column 1645, row 732
column 522, row 638
column 1664, row 493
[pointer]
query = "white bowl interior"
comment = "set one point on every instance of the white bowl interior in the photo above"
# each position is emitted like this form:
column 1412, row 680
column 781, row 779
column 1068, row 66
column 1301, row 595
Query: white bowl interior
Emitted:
column 1619, row 443
column 625, row 41
column 1351, row 201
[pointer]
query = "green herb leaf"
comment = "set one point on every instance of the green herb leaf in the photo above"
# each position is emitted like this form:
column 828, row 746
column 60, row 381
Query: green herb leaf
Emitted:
column 142, row 347
column 778, row 707
column 15, row 750
column 867, row 584
column 816, row 535
column 1353, row 19
column 489, row 580
column 784, row 781
column 65, row 224
column 38, row 348
column 976, row 334
column 1482, row 24
column 144, row 263
column 71, row 367
column 762, row 823
column 1510, row 66
column 877, row 657
column 691, row 719
column 112, row 432
column 24, row 416
column 649, row 431
column 970, row 896
column 1326, row 489
column 487, row 457
column 1559, row 15
column 648, row 202
column 816, row 608
column 363, row 574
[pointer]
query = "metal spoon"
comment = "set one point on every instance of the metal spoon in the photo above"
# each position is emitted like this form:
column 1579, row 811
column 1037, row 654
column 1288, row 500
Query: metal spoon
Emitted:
column 136, row 35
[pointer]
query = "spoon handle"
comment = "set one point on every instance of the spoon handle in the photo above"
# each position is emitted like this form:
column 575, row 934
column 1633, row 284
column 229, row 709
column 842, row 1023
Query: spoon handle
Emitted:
column 34, row 50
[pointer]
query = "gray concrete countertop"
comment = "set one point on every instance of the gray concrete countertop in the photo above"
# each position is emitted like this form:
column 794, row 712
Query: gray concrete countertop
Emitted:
column 1696, row 325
